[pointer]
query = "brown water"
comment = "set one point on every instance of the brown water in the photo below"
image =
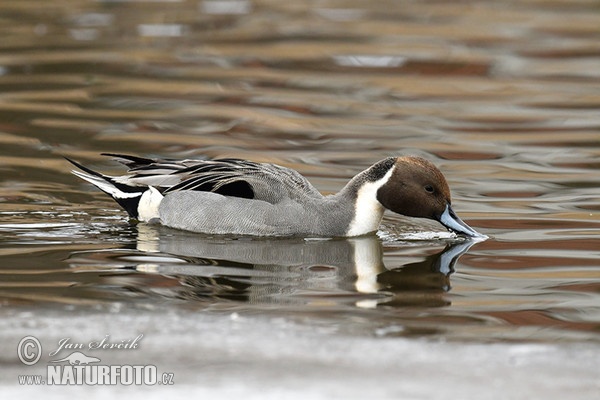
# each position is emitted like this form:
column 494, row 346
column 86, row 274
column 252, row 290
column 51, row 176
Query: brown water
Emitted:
column 503, row 96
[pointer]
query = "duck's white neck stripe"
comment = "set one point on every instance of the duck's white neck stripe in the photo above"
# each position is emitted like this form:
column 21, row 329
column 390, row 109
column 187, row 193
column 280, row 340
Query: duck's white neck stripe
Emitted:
column 367, row 209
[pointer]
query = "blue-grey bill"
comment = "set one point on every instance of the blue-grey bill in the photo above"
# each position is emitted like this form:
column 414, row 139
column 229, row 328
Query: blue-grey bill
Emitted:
column 451, row 221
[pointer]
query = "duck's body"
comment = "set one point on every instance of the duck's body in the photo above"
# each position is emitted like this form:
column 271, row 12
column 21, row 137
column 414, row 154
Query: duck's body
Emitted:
column 239, row 197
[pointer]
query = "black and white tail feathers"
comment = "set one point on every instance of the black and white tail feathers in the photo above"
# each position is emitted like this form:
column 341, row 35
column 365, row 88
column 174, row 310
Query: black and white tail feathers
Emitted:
column 128, row 196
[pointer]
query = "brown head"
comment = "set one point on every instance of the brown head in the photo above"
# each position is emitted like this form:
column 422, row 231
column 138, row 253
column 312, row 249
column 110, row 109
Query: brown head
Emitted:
column 417, row 188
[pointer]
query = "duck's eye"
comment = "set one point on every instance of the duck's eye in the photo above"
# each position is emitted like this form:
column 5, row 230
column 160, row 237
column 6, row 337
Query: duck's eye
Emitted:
column 429, row 189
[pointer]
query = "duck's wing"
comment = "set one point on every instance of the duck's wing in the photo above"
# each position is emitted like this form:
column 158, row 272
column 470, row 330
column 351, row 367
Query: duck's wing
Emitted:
column 227, row 176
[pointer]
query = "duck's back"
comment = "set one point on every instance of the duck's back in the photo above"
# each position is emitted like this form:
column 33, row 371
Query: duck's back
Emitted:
column 228, row 177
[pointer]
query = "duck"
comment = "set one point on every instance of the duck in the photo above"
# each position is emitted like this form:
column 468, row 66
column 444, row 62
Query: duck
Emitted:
column 230, row 196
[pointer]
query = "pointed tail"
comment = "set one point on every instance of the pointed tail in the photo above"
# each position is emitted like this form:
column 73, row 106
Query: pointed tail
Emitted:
column 128, row 196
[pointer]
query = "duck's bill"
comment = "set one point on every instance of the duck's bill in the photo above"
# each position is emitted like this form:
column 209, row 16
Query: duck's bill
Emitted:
column 451, row 221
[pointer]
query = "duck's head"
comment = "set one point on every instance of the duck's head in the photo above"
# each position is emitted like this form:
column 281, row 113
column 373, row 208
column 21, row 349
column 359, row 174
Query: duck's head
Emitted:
column 416, row 188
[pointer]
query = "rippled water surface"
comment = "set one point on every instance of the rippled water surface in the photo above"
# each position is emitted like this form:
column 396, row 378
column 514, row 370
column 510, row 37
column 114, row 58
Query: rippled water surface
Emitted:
column 503, row 96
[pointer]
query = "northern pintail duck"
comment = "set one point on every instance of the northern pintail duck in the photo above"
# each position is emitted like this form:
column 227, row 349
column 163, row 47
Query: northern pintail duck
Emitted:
column 232, row 196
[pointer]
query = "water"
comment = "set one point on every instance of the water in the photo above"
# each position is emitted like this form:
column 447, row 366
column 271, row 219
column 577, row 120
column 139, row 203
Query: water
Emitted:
column 502, row 96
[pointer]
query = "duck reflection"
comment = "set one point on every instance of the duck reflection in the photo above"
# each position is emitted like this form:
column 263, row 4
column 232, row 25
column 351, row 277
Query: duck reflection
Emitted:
column 422, row 283
column 294, row 270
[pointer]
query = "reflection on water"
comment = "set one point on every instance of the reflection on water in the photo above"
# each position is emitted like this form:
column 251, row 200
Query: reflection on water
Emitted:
column 305, row 275
column 283, row 271
column 503, row 96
